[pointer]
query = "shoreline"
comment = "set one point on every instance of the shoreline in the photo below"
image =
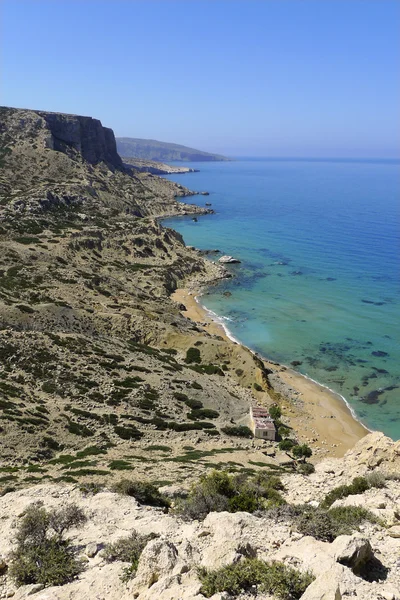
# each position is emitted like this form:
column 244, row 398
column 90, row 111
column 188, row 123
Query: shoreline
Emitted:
column 319, row 416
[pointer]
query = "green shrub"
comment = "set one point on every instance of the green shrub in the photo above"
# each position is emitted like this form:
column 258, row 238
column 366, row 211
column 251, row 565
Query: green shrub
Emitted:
column 190, row 402
column 219, row 491
column 143, row 491
column 196, row 385
column 285, row 583
column 128, row 549
column 327, row 525
column 306, row 468
column 42, row 554
column 203, row 413
column 358, row 486
column 238, row 431
column 257, row 387
column 275, row 412
column 376, row 479
column 128, row 433
column 193, row 356
column 158, row 448
column 79, row 429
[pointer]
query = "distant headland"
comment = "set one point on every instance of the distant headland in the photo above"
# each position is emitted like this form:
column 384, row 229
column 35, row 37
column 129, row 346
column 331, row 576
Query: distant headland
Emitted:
column 162, row 151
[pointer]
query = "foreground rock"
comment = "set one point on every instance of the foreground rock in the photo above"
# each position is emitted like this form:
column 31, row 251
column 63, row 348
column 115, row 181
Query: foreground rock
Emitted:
column 363, row 565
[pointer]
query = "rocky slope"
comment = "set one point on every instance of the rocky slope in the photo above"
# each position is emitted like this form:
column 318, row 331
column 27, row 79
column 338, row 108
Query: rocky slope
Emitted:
column 92, row 349
column 364, row 565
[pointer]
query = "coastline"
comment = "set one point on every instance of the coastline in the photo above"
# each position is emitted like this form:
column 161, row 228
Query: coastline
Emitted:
column 319, row 416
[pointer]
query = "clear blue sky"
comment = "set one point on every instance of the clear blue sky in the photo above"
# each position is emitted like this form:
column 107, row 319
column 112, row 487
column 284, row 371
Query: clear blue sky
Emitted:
column 251, row 77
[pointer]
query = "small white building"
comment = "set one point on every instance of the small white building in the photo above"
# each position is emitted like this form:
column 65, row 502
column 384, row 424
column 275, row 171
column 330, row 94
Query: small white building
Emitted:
column 262, row 424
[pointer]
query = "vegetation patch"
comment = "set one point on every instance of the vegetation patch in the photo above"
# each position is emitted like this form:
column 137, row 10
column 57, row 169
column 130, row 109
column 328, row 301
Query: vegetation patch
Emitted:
column 238, row 431
column 203, row 413
column 327, row 525
column 43, row 555
column 221, row 491
column 193, row 356
column 128, row 549
column 284, row 583
column 128, row 432
column 143, row 491
column 359, row 485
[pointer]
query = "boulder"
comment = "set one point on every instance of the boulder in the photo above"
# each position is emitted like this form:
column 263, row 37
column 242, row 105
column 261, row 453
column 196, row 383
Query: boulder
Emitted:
column 157, row 560
column 394, row 531
column 3, row 566
column 323, row 588
column 91, row 549
column 228, row 260
column 352, row 551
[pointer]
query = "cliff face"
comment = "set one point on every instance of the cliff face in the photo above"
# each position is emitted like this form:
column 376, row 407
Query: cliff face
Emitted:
column 85, row 135
column 71, row 134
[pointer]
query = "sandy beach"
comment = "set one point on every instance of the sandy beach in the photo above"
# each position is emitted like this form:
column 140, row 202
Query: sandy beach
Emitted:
column 319, row 417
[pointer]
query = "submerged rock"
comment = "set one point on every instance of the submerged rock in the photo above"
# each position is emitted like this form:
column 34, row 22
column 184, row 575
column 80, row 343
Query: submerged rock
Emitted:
column 228, row 260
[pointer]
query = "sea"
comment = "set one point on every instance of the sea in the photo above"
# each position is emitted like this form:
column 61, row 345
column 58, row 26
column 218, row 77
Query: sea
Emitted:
column 317, row 287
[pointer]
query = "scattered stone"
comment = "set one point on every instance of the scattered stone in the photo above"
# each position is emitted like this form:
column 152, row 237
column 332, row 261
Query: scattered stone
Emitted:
column 91, row 549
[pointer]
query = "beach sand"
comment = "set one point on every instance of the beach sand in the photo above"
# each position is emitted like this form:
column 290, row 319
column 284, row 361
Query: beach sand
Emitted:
column 319, row 417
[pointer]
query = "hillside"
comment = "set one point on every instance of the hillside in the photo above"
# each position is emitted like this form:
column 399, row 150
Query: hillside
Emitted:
column 162, row 151
column 92, row 348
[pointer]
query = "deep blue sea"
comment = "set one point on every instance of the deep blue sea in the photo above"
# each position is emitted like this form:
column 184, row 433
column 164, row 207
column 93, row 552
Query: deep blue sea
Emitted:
column 319, row 277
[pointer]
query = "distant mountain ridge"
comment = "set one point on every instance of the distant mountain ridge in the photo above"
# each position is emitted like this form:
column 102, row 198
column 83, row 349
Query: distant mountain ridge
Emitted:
column 162, row 151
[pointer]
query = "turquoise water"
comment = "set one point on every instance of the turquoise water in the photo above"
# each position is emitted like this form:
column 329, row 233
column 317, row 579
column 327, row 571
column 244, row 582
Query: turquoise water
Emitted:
column 319, row 277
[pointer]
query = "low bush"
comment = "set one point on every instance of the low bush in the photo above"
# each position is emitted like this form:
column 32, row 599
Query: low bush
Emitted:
column 285, row 583
column 193, row 356
column 358, row 486
column 376, row 479
column 238, row 431
column 306, row 468
column 143, row 491
column 128, row 549
column 196, row 385
column 42, row 554
column 219, row 491
column 203, row 413
column 128, row 433
column 190, row 402
column 327, row 525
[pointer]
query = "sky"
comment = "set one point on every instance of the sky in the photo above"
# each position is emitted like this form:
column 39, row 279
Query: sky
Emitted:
column 293, row 78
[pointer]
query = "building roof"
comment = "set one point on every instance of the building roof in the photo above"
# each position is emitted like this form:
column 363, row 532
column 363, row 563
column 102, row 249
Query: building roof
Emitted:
column 264, row 424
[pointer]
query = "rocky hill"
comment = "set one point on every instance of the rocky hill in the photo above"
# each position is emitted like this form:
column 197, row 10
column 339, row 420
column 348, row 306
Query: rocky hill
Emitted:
column 162, row 151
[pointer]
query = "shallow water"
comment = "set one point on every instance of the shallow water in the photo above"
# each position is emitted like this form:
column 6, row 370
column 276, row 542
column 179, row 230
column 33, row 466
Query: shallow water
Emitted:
column 319, row 277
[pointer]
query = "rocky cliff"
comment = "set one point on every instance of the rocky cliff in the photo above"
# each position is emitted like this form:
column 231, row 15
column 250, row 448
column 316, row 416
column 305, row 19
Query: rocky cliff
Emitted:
column 85, row 135
column 70, row 134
